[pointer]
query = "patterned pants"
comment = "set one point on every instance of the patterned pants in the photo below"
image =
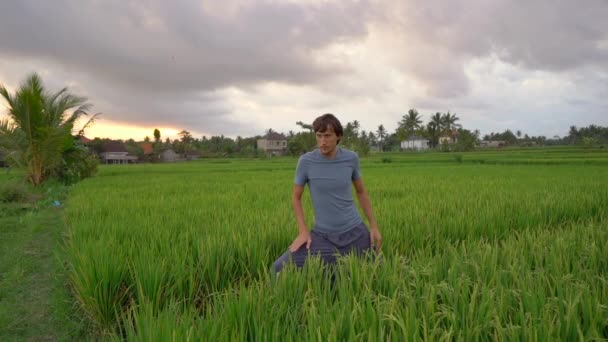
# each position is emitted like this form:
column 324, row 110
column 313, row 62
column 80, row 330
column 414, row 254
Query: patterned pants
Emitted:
column 328, row 246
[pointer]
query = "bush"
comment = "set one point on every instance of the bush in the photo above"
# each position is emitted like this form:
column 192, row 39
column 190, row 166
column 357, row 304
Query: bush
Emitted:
column 458, row 158
column 78, row 164
column 13, row 192
column 387, row 160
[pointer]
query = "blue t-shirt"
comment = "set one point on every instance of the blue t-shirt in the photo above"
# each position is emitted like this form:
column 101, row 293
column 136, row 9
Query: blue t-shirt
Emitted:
column 330, row 184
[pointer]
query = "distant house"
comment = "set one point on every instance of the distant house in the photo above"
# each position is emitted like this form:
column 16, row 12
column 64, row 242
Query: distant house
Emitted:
column 193, row 155
column 85, row 140
column 492, row 143
column 449, row 137
column 115, row 152
column 169, row 156
column 415, row 143
column 273, row 143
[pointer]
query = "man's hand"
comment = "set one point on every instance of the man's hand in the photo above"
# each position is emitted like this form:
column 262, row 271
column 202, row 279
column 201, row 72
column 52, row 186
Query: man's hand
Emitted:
column 376, row 238
column 302, row 238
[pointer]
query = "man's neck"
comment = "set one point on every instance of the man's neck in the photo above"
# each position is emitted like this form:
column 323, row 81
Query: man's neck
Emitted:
column 332, row 154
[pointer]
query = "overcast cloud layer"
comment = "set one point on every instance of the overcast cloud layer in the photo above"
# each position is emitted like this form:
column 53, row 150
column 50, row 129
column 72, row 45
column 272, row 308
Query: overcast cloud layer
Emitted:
column 240, row 67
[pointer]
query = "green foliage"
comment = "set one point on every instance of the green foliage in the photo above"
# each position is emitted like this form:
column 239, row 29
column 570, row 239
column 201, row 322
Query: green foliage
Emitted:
column 588, row 142
column 156, row 136
column 445, row 146
column 43, row 126
column 577, row 135
column 466, row 141
column 300, row 143
column 78, row 163
column 134, row 148
column 410, row 123
column 506, row 136
column 13, row 192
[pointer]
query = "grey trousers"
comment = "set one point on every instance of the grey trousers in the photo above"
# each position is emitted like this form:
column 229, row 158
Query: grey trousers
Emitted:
column 328, row 246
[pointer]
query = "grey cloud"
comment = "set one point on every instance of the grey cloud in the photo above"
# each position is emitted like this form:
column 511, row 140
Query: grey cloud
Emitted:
column 188, row 49
column 156, row 61
column 544, row 35
column 161, row 61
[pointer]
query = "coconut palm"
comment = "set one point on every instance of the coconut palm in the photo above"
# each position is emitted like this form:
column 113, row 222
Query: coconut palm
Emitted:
column 381, row 134
column 434, row 128
column 409, row 124
column 42, row 121
column 449, row 121
column 12, row 143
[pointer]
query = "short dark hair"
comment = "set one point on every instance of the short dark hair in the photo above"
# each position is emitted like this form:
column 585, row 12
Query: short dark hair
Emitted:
column 328, row 120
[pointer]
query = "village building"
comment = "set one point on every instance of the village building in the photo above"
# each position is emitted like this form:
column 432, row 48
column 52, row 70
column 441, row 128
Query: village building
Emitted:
column 115, row 152
column 192, row 155
column 273, row 144
column 492, row 143
column 416, row 143
column 169, row 156
column 449, row 138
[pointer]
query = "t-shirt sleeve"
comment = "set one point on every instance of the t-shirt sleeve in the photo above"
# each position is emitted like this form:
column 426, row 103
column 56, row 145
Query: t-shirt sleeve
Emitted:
column 301, row 177
column 356, row 168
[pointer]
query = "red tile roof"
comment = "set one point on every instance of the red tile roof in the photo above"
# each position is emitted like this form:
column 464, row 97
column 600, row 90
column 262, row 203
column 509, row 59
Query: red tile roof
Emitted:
column 147, row 147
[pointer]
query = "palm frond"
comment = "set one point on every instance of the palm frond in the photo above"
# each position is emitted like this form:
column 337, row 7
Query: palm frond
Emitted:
column 7, row 96
column 87, row 124
column 12, row 143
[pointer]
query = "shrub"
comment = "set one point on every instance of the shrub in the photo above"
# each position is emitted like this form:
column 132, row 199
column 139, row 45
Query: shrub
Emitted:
column 13, row 192
column 78, row 163
column 387, row 160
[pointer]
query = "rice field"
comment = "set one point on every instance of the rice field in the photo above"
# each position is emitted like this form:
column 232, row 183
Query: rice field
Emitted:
column 507, row 245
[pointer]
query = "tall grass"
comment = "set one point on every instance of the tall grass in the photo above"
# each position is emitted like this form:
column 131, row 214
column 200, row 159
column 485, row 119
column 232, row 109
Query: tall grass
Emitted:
column 471, row 252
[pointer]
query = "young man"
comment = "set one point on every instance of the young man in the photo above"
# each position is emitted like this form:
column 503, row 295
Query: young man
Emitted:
column 329, row 171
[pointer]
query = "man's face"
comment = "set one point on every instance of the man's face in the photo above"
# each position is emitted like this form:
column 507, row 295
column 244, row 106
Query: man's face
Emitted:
column 327, row 141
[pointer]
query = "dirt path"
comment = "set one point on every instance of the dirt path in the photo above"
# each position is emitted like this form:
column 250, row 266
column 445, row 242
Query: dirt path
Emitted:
column 34, row 303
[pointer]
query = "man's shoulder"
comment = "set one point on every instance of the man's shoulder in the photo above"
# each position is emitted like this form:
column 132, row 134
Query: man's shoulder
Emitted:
column 348, row 154
column 308, row 156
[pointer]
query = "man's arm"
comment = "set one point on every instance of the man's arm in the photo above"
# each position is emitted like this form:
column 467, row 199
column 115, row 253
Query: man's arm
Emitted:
column 366, row 205
column 296, row 201
column 303, row 237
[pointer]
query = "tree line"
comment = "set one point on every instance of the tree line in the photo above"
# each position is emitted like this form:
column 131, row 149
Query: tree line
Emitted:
column 38, row 136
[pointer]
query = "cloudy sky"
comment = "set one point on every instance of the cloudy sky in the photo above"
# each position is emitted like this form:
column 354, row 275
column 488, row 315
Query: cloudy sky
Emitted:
column 239, row 67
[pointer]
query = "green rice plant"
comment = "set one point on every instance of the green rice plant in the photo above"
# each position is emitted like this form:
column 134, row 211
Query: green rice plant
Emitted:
column 472, row 252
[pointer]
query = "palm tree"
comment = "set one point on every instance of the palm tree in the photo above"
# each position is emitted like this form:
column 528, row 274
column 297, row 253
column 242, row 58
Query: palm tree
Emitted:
column 409, row 124
column 434, row 128
column 12, row 142
column 305, row 126
column 437, row 121
column 381, row 134
column 156, row 136
column 45, row 124
column 356, row 126
column 372, row 137
column 449, row 121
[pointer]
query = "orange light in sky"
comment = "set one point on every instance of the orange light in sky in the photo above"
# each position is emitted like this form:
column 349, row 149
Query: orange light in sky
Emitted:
column 114, row 130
